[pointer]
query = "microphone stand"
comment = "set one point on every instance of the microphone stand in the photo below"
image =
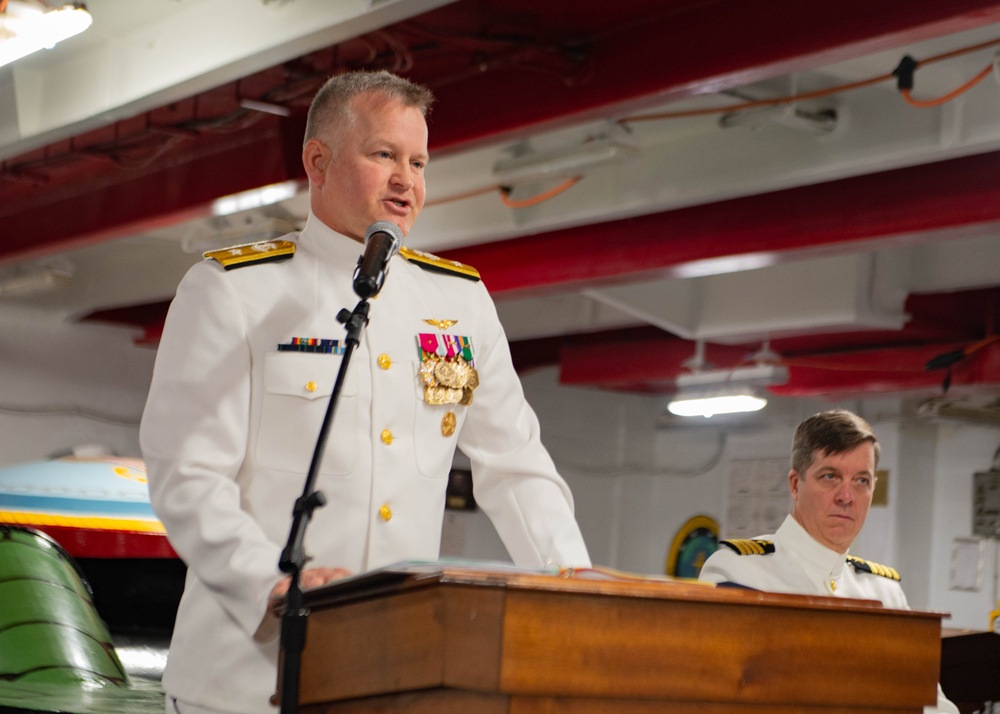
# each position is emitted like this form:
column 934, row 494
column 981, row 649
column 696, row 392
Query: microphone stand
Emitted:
column 293, row 620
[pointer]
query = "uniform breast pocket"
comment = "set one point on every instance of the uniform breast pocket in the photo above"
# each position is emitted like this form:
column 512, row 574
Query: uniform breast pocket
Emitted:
column 297, row 390
column 435, row 432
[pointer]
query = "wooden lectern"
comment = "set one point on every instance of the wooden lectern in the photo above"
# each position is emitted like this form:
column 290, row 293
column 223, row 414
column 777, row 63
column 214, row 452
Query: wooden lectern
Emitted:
column 460, row 641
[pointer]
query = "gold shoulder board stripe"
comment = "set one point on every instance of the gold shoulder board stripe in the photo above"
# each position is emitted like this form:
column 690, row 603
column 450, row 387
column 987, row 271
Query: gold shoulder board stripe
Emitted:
column 240, row 255
column 439, row 265
column 749, row 546
column 867, row 566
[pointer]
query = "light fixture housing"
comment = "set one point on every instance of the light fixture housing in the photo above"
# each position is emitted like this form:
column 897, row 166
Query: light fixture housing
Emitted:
column 612, row 145
column 28, row 281
column 816, row 123
column 706, row 393
column 26, row 28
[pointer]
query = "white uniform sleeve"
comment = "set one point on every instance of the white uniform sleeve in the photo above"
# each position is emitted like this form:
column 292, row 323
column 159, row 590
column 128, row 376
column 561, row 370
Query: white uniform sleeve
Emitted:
column 944, row 705
column 515, row 481
column 193, row 437
column 724, row 566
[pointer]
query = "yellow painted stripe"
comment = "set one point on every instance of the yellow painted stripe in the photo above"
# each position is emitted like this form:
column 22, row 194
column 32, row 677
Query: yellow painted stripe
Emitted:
column 23, row 518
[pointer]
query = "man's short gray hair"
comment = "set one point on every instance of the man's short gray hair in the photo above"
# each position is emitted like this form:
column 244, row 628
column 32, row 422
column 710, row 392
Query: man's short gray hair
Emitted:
column 331, row 107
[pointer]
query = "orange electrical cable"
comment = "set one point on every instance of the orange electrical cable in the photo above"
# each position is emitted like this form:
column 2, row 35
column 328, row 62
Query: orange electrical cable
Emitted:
column 759, row 102
column 791, row 98
column 907, row 93
column 535, row 200
column 777, row 101
column 982, row 343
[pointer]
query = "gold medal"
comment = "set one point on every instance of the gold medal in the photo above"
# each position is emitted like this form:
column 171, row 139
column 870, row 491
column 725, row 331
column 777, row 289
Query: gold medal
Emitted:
column 446, row 373
column 427, row 372
column 452, row 373
column 435, row 396
column 466, row 399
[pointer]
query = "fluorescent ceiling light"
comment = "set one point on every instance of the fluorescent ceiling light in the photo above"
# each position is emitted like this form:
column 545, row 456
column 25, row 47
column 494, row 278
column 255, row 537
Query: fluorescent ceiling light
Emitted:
column 26, row 28
column 266, row 107
column 254, row 198
column 710, row 392
column 720, row 404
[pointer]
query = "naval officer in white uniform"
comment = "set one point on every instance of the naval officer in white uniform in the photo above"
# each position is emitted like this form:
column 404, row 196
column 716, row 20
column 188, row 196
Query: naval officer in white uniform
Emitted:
column 832, row 480
column 247, row 362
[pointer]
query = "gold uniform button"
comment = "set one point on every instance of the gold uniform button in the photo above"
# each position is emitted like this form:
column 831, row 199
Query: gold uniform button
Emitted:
column 384, row 361
column 310, row 386
column 386, row 437
column 385, row 513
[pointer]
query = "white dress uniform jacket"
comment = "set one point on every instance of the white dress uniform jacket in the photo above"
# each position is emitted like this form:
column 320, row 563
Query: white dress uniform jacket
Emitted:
column 800, row 564
column 231, row 423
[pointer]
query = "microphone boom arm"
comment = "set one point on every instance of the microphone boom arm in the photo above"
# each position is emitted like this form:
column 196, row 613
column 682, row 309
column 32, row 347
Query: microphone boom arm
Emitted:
column 293, row 558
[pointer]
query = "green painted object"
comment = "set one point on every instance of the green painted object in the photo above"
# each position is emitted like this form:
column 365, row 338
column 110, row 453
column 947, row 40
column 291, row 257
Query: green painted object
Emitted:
column 49, row 629
column 56, row 654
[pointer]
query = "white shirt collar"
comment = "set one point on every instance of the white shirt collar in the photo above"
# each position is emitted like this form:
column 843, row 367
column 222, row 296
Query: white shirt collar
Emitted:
column 793, row 537
column 331, row 246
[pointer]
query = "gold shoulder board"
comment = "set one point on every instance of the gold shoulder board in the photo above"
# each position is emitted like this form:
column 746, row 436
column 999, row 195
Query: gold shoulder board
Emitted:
column 439, row 265
column 240, row 255
column 867, row 566
column 749, row 546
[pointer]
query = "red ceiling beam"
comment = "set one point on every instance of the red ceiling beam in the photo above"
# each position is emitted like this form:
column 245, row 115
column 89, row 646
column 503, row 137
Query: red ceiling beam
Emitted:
column 652, row 365
column 641, row 53
column 636, row 54
column 649, row 360
column 887, row 370
column 901, row 202
column 142, row 201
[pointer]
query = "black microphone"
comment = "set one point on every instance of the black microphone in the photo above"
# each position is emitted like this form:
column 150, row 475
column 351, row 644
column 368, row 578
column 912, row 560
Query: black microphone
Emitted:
column 383, row 240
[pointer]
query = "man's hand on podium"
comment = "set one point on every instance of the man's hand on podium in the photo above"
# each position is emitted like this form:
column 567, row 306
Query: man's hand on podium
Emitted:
column 309, row 578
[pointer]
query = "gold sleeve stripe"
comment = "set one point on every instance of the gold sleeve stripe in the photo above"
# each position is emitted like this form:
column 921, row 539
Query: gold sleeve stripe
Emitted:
column 441, row 265
column 749, row 546
column 868, row 566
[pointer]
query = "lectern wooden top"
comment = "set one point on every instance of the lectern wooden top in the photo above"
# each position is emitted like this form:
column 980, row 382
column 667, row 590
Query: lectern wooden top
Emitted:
column 597, row 581
column 520, row 637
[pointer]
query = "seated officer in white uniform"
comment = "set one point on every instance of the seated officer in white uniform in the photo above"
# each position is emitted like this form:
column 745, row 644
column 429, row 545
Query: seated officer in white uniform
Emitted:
column 249, row 355
column 832, row 479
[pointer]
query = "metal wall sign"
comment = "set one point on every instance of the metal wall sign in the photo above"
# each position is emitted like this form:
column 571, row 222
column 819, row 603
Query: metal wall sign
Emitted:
column 986, row 504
